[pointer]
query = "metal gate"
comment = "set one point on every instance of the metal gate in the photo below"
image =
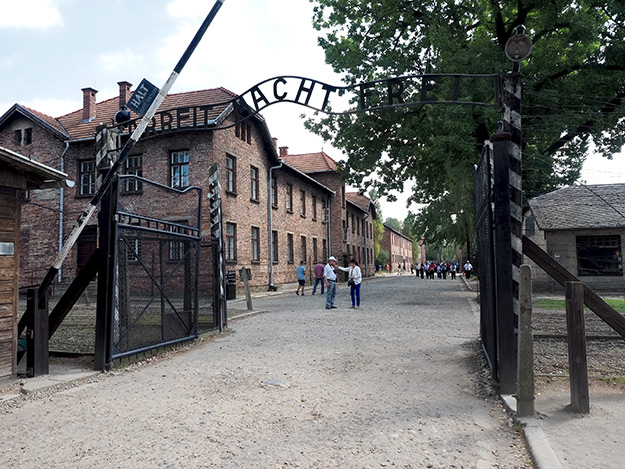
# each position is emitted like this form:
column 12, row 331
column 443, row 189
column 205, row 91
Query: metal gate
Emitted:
column 483, row 181
column 155, row 276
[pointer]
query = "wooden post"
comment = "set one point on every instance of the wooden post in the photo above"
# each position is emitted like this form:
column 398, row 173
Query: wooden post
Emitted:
column 248, row 296
column 576, row 331
column 37, row 356
column 525, row 368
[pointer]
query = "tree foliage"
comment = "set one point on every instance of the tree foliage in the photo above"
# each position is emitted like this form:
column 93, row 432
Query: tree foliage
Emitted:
column 574, row 92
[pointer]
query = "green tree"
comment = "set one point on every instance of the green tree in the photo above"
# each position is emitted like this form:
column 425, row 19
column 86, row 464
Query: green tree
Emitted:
column 574, row 92
column 394, row 223
column 378, row 227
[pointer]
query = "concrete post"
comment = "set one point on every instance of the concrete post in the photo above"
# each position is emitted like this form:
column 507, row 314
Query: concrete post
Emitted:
column 525, row 368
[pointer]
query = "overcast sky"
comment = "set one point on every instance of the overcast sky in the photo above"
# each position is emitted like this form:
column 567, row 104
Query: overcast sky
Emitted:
column 53, row 48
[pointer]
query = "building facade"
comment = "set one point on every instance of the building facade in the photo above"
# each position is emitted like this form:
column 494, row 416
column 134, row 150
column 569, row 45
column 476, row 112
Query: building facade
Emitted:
column 275, row 213
column 399, row 247
column 583, row 229
column 350, row 215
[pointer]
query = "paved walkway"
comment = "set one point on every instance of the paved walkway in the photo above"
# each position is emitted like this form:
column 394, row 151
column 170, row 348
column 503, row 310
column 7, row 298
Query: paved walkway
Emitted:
column 391, row 384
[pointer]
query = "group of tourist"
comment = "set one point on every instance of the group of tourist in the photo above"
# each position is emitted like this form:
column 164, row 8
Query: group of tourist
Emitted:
column 326, row 275
column 442, row 269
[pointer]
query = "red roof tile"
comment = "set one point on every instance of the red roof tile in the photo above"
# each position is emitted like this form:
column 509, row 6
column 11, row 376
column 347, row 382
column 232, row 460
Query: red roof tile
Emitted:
column 51, row 121
column 106, row 110
column 311, row 162
column 360, row 200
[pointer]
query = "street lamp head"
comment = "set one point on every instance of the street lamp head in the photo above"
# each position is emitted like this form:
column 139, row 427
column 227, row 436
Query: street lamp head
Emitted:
column 518, row 46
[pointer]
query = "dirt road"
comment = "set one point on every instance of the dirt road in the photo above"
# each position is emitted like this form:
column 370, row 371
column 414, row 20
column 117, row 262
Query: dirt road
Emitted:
column 393, row 384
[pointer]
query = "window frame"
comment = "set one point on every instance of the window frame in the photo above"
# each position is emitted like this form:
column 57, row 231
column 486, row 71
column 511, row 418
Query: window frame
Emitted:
column 230, row 242
column 136, row 170
column 231, row 174
column 289, row 198
column 302, row 203
column 86, row 178
column 179, row 170
column 255, row 244
column 254, row 184
column 607, row 253
column 274, row 246
column 289, row 248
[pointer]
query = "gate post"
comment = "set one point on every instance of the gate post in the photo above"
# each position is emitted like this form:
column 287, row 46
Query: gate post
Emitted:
column 504, row 290
column 525, row 393
column 37, row 359
column 106, row 276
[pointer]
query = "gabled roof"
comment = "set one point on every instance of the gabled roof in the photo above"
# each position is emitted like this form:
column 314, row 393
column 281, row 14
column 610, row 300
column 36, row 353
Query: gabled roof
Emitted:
column 37, row 175
column 318, row 162
column 308, row 178
column 581, row 208
column 49, row 123
column 398, row 233
column 362, row 202
column 106, row 110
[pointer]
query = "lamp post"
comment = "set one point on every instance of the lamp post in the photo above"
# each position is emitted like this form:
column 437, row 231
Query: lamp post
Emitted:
column 507, row 147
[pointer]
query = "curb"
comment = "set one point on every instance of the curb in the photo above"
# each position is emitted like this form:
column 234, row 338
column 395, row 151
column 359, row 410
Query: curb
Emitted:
column 541, row 452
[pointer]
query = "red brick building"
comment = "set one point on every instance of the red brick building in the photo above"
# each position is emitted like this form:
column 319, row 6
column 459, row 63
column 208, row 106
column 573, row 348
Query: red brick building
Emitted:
column 351, row 215
column 276, row 211
column 399, row 247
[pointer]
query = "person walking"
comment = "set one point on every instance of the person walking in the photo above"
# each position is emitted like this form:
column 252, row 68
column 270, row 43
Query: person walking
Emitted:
column 452, row 269
column 468, row 268
column 354, row 280
column 329, row 278
column 318, row 278
column 301, row 278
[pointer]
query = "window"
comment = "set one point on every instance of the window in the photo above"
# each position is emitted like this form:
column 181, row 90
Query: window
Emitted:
column 133, row 166
column 176, row 248
column 231, row 242
column 324, row 249
column 231, row 174
column 289, row 198
column 289, row 247
column 255, row 244
column 353, row 224
column 254, row 181
column 274, row 246
column 324, row 211
column 179, row 169
column 314, row 208
column 28, row 136
column 302, row 203
column 243, row 130
column 87, row 177
column 315, row 252
column 133, row 246
column 303, row 249
column 17, row 136
column 599, row 256
column 274, row 192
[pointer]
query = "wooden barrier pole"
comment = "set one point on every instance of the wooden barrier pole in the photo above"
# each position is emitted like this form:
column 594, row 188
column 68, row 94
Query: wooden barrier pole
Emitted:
column 576, row 331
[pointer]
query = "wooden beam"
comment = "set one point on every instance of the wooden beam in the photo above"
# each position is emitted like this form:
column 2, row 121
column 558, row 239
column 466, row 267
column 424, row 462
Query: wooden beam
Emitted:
column 560, row 274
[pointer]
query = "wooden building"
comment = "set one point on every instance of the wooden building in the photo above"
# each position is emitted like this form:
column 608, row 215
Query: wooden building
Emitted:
column 18, row 176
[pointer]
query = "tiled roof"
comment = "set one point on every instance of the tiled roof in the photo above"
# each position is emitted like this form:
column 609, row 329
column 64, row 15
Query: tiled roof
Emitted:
column 581, row 207
column 359, row 200
column 311, row 162
column 106, row 110
column 51, row 121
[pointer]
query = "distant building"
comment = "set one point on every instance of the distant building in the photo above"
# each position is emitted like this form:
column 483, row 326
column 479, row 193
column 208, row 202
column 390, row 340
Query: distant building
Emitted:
column 399, row 247
column 581, row 227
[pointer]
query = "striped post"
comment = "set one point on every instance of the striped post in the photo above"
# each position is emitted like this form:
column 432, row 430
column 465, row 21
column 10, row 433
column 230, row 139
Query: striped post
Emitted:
column 512, row 98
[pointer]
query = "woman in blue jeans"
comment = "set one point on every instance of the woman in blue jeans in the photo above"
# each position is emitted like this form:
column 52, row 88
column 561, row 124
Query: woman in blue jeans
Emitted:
column 355, row 275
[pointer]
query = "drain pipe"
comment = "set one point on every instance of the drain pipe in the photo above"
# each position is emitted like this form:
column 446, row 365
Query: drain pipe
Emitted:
column 270, row 208
column 329, row 227
column 366, row 250
column 61, row 209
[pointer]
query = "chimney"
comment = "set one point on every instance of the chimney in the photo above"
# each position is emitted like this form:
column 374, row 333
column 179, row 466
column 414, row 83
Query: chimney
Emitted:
column 124, row 92
column 284, row 151
column 88, row 104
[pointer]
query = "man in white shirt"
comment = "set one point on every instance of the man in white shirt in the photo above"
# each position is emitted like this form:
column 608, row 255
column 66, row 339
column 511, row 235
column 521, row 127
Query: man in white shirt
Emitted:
column 329, row 278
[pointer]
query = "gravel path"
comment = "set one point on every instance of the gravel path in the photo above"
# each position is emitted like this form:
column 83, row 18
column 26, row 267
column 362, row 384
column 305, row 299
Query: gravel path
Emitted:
column 393, row 384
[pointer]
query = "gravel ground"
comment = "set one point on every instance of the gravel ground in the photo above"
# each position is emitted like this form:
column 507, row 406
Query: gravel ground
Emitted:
column 397, row 383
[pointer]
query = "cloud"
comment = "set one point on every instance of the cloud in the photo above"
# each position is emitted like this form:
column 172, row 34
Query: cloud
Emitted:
column 122, row 60
column 31, row 14
column 8, row 62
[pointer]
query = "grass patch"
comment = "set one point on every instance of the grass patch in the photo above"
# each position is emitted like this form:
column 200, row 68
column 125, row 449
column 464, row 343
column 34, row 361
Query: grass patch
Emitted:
column 560, row 304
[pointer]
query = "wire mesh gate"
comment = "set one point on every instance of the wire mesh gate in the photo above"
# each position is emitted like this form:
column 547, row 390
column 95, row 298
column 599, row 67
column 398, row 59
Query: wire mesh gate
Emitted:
column 155, row 277
column 484, row 227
